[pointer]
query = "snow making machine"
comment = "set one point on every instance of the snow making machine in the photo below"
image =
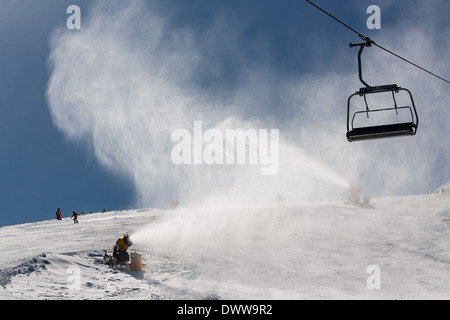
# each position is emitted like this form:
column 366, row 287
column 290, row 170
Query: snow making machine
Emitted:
column 120, row 249
column 120, row 255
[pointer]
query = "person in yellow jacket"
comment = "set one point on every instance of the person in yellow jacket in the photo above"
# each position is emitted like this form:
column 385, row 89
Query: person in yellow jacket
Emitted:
column 121, row 247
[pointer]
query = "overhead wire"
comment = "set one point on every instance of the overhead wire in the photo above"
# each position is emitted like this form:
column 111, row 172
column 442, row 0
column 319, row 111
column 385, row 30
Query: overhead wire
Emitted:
column 376, row 44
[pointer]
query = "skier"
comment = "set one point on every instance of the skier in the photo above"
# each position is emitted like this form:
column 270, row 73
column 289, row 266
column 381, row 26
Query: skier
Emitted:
column 58, row 214
column 74, row 216
column 280, row 200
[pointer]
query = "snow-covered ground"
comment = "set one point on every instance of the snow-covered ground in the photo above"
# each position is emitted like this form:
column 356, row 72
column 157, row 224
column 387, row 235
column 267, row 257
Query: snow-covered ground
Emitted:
column 304, row 251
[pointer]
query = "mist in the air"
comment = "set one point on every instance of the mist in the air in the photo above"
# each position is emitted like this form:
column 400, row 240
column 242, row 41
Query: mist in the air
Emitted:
column 123, row 88
column 128, row 86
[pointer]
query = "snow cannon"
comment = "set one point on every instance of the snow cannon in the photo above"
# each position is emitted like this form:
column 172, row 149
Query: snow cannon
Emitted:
column 120, row 249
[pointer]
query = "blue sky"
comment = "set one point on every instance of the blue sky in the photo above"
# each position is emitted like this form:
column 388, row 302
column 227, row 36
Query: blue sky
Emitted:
column 254, row 58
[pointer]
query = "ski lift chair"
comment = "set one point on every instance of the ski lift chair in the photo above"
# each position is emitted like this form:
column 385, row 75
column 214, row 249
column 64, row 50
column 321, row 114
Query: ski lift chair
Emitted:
column 403, row 127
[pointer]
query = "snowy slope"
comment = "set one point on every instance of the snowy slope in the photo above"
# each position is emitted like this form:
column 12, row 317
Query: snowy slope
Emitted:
column 306, row 251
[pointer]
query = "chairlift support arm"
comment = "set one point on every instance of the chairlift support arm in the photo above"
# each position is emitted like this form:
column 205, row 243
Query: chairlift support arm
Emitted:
column 361, row 46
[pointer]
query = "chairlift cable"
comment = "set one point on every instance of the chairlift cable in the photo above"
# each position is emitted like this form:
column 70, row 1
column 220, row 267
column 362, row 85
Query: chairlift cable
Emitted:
column 333, row 17
column 374, row 43
column 412, row 63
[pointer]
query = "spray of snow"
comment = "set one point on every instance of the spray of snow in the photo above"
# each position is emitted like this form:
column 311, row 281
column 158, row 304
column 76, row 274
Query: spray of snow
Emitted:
column 124, row 87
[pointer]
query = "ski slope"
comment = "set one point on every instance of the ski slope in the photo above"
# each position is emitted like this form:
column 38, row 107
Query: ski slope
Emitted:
column 303, row 251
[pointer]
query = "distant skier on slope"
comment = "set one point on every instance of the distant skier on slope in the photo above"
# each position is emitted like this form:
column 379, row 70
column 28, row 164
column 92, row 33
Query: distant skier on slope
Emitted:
column 280, row 200
column 58, row 214
column 74, row 216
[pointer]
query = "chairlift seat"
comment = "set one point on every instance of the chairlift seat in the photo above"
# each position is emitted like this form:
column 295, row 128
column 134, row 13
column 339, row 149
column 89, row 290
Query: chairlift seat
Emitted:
column 386, row 130
column 401, row 128
column 382, row 131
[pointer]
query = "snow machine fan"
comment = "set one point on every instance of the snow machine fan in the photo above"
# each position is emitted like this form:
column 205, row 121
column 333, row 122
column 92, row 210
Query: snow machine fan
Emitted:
column 384, row 120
